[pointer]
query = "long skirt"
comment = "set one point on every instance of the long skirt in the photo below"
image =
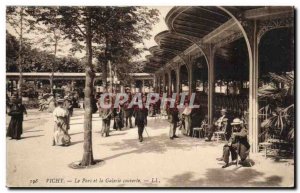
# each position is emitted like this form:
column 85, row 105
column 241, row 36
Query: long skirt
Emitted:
column 51, row 107
column 187, row 129
column 61, row 136
column 15, row 128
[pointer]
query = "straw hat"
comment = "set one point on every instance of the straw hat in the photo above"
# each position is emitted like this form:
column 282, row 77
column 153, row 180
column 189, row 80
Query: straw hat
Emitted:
column 224, row 120
column 224, row 110
column 236, row 121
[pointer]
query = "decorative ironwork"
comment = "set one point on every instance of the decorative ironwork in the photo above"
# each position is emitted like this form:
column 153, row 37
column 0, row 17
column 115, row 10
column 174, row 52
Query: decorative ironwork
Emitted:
column 229, row 39
column 267, row 25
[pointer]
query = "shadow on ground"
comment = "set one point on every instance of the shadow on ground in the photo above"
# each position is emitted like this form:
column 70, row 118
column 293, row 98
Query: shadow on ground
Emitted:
column 31, row 131
column 156, row 144
column 33, row 136
column 226, row 178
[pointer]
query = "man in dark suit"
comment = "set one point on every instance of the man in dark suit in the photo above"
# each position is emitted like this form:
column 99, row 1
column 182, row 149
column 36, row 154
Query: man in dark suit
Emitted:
column 140, row 120
column 237, row 144
column 174, row 121
column 128, row 112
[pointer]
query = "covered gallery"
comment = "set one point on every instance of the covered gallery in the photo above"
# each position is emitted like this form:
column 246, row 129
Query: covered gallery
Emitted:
column 224, row 54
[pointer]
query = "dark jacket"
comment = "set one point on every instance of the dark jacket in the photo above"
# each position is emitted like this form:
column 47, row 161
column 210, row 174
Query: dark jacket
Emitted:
column 174, row 115
column 240, row 137
column 140, row 117
column 128, row 112
column 17, row 110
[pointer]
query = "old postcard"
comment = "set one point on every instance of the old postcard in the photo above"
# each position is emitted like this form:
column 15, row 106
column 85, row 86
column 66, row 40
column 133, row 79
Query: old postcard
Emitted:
column 140, row 96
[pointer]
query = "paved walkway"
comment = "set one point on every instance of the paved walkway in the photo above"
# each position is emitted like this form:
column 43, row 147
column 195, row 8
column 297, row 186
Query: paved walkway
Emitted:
column 157, row 162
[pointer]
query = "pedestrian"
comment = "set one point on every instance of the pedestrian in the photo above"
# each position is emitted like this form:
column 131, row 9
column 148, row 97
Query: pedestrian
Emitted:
column 146, row 110
column 51, row 105
column 41, row 103
column 106, row 115
column 174, row 119
column 94, row 103
column 69, row 109
column 118, row 119
column 68, row 105
column 8, row 103
column 140, row 118
column 223, row 116
column 237, row 145
column 186, row 115
column 128, row 112
column 16, row 112
column 61, row 125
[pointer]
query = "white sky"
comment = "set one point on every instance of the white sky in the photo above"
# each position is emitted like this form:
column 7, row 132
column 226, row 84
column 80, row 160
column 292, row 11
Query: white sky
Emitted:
column 161, row 26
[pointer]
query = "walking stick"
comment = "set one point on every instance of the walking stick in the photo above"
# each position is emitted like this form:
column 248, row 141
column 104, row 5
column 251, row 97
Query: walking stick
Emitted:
column 237, row 156
column 146, row 132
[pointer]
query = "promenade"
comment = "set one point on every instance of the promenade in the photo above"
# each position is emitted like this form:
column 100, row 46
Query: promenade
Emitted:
column 156, row 162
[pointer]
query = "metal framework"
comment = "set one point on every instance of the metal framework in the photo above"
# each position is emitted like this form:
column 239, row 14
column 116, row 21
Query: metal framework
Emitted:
column 201, row 31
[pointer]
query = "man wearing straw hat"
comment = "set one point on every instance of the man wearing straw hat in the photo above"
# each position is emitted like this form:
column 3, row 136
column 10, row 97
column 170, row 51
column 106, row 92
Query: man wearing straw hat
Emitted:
column 237, row 144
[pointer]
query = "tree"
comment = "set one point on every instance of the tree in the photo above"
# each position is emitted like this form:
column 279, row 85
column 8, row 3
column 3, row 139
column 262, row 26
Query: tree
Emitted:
column 12, row 45
column 99, row 25
column 51, row 32
column 123, row 29
column 18, row 19
column 35, row 60
column 78, row 23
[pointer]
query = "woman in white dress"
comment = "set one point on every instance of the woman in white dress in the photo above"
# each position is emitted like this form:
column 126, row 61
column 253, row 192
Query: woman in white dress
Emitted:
column 60, row 116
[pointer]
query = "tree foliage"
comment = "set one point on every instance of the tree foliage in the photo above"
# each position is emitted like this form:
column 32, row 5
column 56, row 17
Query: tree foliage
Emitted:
column 35, row 60
column 121, row 37
column 112, row 34
column 280, row 102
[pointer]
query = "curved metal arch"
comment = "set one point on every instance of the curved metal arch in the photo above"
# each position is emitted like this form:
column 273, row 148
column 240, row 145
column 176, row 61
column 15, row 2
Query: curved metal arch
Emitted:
column 165, row 34
column 156, row 50
column 242, row 30
column 153, row 58
column 273, row 25
column 177, row 11
column 171, row 27
column 152, row 49
column 188, row 71
column 173, row 11
column 200, row 47
column 251, row 65
column 174, row 52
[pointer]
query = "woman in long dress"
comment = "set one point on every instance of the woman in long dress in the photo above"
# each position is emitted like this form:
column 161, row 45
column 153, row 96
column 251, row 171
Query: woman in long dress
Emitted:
column 60, row 116
column 51, row 106
column 187, row 119
column 16, row 111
